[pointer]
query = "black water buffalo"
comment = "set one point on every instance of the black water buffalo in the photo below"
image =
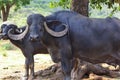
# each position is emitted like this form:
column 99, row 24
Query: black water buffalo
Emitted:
column 20, row 38
column 71, row 35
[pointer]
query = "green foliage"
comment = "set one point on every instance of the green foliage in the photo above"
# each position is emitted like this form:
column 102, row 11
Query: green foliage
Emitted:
column 63, row 3
column 17, row 3
column 5, row 6
column 95, row 4
column 35, row 6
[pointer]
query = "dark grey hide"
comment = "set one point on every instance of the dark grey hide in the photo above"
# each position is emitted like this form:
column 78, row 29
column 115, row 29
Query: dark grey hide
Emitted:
column 28, row 48
column 94, row 40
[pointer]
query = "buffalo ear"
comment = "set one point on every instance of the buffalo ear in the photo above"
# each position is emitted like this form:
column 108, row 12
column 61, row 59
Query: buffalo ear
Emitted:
column 13, row 25
column 53, row 23
column 15, row 28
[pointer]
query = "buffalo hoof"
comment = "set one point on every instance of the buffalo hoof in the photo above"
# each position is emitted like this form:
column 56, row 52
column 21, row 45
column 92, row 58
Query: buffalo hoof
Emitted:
column 67, row 78
column 24, row 78
column 31, row 78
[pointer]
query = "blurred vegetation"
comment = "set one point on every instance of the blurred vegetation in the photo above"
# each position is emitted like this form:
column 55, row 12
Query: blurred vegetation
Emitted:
column 113, row 6
column 8, row 46
column 5, row 6
column 43, row 7
column 19, row 17
column 2, row 50
column 104, row 12
column 35, row 6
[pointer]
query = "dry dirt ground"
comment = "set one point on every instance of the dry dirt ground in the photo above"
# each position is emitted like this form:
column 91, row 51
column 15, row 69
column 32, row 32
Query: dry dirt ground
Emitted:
column 12, row 66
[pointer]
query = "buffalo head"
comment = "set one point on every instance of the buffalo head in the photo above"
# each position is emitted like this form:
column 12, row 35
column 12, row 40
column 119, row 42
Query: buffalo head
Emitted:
column 39, row 25
column 10, row 30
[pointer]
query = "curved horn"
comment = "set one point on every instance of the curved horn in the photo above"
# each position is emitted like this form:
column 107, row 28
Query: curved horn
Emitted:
column 17, row 36
column 56, row 34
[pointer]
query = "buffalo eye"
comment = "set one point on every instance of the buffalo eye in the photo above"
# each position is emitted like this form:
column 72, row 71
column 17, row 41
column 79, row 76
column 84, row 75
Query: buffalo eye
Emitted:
column 29, row 21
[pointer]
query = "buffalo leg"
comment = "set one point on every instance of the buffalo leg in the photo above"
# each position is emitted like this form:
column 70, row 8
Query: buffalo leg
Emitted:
column 66, row 67
column 31, row 66
column 26, row 68
column 66, row 63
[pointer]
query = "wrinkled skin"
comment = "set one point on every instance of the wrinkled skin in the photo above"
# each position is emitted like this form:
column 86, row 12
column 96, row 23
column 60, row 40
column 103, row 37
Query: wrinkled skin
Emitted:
column 89, row 39
column 28, row 48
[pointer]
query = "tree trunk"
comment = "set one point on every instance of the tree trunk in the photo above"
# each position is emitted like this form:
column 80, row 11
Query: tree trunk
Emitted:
column 5, row 12
column 80, row 6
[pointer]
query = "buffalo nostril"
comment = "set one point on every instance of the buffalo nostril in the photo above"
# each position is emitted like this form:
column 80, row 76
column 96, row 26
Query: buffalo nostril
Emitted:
column 34, row 38
column 37, row 37
column 31, row 38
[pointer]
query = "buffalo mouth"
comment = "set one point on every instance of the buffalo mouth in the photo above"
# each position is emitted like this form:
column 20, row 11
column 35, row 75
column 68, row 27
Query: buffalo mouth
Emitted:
column 17, row 36
column 3, row 36
column 56, row 34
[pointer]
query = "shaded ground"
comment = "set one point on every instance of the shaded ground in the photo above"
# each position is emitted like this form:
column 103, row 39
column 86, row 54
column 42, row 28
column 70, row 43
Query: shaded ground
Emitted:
column 12, row 68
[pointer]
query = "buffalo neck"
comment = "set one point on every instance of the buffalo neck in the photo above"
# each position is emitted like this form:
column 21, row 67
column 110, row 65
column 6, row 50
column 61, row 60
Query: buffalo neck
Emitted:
column 17, row 42
column 48, row 40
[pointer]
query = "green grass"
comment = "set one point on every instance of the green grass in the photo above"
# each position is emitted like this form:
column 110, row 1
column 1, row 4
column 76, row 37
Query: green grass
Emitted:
column 8, row 46
column 3, row 52
column 4, row 46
